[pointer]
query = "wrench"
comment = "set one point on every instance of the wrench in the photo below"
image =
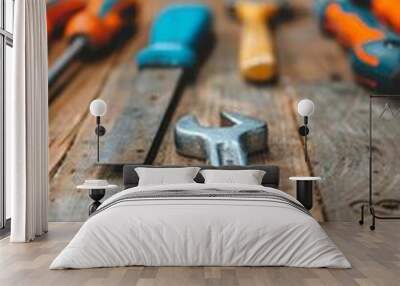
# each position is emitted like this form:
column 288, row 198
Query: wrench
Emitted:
column 230, row 144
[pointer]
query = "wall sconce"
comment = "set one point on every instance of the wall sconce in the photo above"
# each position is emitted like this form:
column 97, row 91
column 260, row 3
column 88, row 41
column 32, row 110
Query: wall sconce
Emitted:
column 98, row 108
column 305, row 108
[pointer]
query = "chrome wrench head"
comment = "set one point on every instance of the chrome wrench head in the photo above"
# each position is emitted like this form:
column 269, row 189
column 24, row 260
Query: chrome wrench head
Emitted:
column 230, row 144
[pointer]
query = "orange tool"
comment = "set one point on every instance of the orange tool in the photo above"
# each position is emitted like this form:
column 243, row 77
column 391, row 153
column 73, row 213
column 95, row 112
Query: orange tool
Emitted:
column 387, row 11
column 257, row 55
column 93, row 29
column 374, row 51
column 350, row 29
column 59, row 12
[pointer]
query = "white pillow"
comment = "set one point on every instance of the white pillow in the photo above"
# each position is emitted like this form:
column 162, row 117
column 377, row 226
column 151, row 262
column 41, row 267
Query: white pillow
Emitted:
column 163, row 176
column 248, row 177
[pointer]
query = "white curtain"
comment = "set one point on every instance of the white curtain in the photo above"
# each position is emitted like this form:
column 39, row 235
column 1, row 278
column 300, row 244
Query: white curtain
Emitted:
column 27, row 123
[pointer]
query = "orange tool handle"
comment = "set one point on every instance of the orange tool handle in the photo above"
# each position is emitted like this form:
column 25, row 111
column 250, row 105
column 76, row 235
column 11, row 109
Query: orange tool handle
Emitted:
column 98, row 30
column 388, row 11
column 257, row 57
column 350, row 30
column 58, row 13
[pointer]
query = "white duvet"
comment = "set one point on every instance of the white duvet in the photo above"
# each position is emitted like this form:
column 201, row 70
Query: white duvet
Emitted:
column 200, row 231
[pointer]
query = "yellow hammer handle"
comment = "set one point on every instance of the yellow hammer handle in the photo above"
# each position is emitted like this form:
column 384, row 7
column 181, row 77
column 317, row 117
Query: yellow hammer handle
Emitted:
column 257, row 59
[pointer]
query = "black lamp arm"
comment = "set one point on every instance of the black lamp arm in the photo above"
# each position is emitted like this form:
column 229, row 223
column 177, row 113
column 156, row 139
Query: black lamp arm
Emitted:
column 100, row 131
column 304, row 131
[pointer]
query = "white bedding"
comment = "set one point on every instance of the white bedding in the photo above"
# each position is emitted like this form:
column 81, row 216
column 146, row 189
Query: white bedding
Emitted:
column 200, row 231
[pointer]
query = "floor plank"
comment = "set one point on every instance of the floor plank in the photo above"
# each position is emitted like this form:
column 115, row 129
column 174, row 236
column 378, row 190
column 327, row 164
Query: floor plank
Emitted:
column 375, row 257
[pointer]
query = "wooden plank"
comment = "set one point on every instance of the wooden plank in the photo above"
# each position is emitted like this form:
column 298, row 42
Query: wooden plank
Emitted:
column 305, row 54
column 339, row 148
column 120, row 90
column 316, row 67
column 69, row 109
column 374, row 257
column 220, row 88
column 150, row 101
column 66, row 203
column 83, row 82
column 76, row 88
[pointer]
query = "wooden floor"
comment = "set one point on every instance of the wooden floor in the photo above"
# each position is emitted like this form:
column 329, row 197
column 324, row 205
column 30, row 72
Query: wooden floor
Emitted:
column 375, row 257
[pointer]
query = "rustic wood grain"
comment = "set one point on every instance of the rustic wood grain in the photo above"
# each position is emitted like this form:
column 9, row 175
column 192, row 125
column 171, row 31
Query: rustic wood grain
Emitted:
column 150, row 99
column 305, row 54
column 310, row 65
column 69, row 109
column 320, row 71
column 74, row 90
column 67, row 203
column 220, row 88
column 322, row 61
column 339, row 148
column 78, row 161
column 374, row 257
column 315, row 66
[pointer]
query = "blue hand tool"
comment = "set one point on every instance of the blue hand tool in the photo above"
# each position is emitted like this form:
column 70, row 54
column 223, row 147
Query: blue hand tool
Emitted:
column 176, row 36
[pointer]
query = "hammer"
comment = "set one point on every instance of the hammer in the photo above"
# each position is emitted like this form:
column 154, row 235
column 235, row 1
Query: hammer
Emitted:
column 229, row 144
column 257, row 58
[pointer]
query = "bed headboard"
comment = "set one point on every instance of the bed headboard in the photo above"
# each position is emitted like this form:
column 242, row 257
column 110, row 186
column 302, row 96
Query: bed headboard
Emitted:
column 270, row 179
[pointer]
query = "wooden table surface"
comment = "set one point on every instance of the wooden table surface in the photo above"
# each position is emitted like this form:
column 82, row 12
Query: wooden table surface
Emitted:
column 311, row 65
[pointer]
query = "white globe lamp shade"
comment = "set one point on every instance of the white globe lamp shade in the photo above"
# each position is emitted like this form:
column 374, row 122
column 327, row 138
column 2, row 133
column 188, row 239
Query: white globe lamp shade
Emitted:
column 305, row 107
column 98, row 107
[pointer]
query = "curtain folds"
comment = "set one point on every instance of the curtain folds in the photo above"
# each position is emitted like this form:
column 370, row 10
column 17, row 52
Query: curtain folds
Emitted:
column 27, row 123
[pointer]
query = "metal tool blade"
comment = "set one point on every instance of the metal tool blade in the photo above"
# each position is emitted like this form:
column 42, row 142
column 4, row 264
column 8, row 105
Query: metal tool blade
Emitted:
column 73, row 50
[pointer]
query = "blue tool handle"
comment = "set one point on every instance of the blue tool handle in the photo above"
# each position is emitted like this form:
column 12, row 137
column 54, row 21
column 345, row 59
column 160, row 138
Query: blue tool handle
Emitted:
column 374, row 53
column 175, row 36
column 383, row 78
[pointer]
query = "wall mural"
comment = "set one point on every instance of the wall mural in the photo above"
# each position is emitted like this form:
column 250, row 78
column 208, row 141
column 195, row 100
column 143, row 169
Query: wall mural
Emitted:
column 213, row 84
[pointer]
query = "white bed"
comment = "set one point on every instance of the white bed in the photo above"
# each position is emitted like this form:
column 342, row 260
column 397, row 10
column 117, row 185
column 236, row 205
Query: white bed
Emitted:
column 185, row 230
